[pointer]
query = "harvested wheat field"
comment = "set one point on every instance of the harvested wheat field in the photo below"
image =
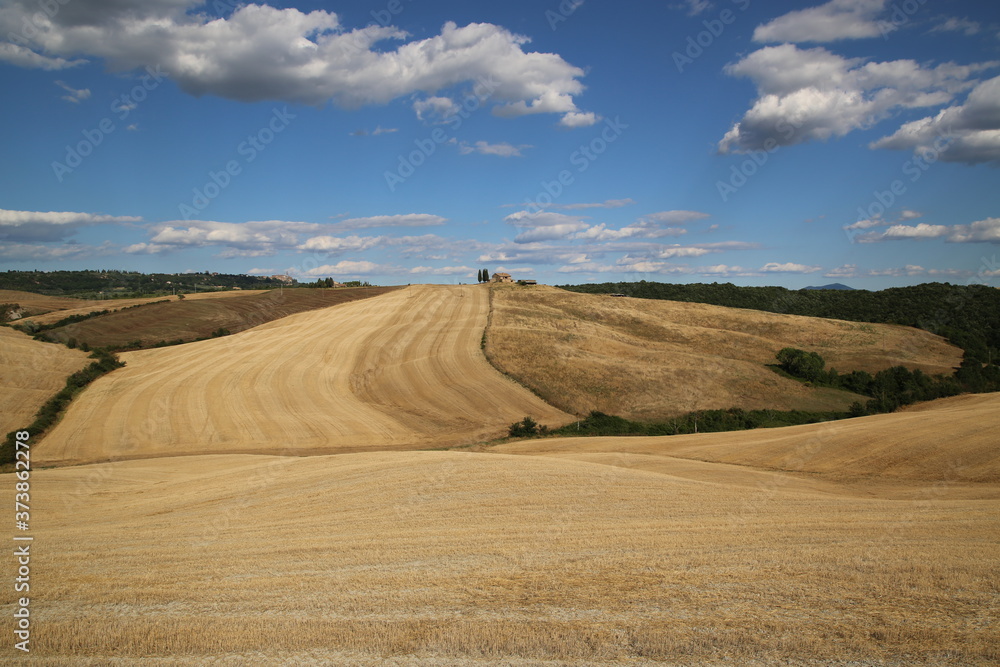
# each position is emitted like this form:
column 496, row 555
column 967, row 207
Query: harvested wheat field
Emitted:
column 401, row 370
column 87, row 306
column 30, row 373
column 199, row 316
column 648, row 360
column 452, row 558
column 949, row 447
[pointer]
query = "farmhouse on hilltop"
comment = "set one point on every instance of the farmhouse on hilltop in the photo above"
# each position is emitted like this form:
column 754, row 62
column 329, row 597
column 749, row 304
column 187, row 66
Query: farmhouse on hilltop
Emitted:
column 502, row 278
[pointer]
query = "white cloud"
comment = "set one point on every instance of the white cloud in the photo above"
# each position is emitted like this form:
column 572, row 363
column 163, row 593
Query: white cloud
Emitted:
column 981, row 231
column 813, row 94
column 675, row 217
column 682, row 251
column 695, row 7
column 404, row 220
column 789, row 267
column 435, row 109
column 25, row 57
column 953, row 24
column 845, row 271
column 829, row 22
column 336, row 244
column 544, row 225
column 907, row 214
column 574, row 119
column 75, row 96
column 641, row 229
column 51, row 225
column 254, row 238
column 443, row 271
column 502, row 149
column 146, row 248
column 968, row 133
column 259, row 52
column 350, row 269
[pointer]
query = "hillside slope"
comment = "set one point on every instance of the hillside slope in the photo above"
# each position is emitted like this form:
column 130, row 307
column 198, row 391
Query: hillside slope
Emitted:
column 648, row 360
column 944, row 447
column 198, row 316
column 401, row 370
column 31, row 372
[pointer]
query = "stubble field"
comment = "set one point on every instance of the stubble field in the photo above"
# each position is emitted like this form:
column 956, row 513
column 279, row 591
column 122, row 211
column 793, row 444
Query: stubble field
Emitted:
column 873, row 541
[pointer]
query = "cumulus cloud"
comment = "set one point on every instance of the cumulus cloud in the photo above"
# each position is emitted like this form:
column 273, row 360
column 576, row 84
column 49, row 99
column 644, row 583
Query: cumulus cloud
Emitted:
column 74, row 96
column 21, row 56
column 574, row 119
column 845, row 271
column 259, row 52
column 403, row 220
column 352, row 269
column 51, row 225
column 829, row 22
column 435, row 108
column 789, row 267
column 442, row 271
column 337, row 245
column 675, row 217
column 968, row 133
column 953, row 24
column 980, row 231
column 28, row 252
column 544, row 225
column 244, row 239
column 641, row 229
column 503, row 149
column 813, row 94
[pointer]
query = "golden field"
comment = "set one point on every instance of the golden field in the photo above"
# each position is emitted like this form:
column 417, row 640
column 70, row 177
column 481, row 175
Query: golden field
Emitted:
column 649, row 360
column 30, row 373
column 234, row 502
column 400, row 370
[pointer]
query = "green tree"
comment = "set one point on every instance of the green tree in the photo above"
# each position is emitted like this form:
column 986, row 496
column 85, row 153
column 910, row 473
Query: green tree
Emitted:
column 801, row 364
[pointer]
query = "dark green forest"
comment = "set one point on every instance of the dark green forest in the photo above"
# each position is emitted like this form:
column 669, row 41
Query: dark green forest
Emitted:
column 106, row 283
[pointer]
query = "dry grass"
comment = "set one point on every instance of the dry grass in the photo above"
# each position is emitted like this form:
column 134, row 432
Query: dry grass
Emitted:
column 457, row 558
column 30, row 373
column 401, row 370
column 648, row 359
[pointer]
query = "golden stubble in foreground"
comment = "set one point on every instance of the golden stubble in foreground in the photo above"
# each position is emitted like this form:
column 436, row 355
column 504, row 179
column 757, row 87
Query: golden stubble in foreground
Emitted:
column 649, row 359
column 400, row 370
column 456, row 558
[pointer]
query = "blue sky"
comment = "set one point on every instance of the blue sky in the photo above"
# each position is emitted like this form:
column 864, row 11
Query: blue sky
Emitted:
column 407, row 141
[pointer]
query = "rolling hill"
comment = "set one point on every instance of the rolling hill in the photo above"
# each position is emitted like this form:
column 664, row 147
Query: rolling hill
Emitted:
column 195, row 317
column 648, row 360
column 456, row 558
column 400, row 370
column 30, row 373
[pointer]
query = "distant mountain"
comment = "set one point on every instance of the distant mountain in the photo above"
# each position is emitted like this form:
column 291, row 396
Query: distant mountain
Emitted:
column 830, row 286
